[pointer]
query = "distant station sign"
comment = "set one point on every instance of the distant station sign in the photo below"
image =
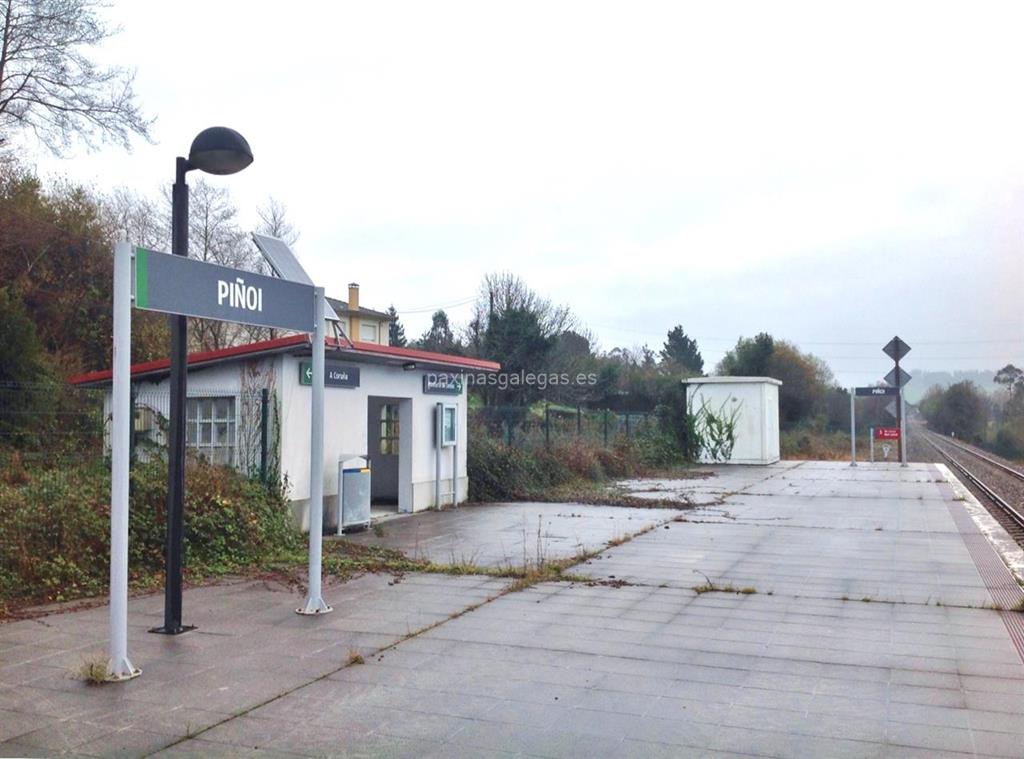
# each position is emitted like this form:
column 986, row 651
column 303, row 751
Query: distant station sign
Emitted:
column 896, row 349
column 874, row 391
column 897, row 377
column 887, row 433
column 185, row 286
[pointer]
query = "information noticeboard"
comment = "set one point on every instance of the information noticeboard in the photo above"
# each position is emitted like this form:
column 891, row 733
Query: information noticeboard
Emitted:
column 448, row 427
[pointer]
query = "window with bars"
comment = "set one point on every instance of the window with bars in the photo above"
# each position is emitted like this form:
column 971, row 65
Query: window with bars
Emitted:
column 210, row 428
column 389, row 430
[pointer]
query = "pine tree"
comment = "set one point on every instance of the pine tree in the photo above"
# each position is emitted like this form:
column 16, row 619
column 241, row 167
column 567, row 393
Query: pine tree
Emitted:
column 681, row 351
column 396, row 332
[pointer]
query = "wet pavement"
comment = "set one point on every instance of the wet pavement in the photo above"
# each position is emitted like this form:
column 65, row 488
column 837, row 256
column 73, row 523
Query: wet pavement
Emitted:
column 510, row 534
column 865, row 632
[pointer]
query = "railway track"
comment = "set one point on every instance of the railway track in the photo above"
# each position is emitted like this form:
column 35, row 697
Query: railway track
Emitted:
column 999, row 484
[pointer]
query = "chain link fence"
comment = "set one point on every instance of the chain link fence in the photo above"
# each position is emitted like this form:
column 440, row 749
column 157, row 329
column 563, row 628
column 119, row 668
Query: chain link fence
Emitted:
column 546, row 425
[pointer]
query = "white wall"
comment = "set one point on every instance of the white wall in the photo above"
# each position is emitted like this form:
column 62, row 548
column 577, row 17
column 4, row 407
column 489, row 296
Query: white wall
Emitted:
column 345, row 431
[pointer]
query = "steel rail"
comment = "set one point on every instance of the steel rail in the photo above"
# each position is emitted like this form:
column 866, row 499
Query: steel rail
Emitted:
column 1015, row 514
column 987, row 459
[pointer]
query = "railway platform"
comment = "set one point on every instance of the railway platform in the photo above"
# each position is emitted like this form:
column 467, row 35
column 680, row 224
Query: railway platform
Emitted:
column 801, row 609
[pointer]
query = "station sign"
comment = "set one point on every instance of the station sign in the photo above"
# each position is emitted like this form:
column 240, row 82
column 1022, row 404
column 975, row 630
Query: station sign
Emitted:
column 442, row 383
column 873, row 391
column 336, row 374
column 887, row 433
column 187, row 287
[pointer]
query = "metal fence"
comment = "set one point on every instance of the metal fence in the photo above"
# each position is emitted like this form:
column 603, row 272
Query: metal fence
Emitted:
column 531, row 426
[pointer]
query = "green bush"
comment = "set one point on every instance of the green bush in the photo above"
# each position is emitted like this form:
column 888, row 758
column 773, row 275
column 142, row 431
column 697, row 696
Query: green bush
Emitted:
column 55, row 528
column 1009, row 443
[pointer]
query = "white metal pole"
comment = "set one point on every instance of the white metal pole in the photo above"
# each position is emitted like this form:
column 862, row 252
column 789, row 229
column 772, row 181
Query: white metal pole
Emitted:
column 871, row 443
column 438, row 432
column 341, row 493
column 455, row 462
column 119, row 667
column 315, row 603
column 853, row 429
column 903, row 430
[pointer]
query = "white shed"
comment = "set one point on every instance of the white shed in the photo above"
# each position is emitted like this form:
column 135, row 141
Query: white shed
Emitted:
column 752, row 403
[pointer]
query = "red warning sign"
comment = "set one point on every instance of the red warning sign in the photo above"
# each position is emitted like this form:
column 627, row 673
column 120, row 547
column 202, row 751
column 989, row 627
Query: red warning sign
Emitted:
column 887, row 433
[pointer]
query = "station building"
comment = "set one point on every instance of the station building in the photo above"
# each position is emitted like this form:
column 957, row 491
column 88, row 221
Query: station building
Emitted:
column 380, row 403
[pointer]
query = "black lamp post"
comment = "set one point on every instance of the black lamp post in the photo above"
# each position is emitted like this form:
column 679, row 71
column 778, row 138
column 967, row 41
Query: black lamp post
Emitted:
column 217, row 150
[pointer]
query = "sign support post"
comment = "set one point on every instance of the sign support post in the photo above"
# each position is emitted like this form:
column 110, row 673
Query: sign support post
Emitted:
column 903, row 430
column 119, row 667
column 899, row 412
column 315, row 603
column 438, row 434
column 871, row 443
column 853, row 429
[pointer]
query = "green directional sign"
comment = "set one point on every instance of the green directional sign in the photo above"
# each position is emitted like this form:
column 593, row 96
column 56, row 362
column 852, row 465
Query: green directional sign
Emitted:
column 442, row 383
column 185, row 286
column 336, row 374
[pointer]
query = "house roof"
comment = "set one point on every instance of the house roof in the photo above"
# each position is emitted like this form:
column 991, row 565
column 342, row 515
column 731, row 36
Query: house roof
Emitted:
column 341, row 307
column 350, row 350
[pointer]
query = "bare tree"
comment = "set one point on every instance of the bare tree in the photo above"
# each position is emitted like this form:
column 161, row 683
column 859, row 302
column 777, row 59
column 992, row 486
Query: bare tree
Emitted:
column 49, row 86
column 274, row 221
column 215, row 237
column 503, row 292
column 138, row 216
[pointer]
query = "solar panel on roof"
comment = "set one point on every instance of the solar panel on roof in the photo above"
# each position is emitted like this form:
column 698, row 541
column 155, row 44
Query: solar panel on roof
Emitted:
column 285, row 265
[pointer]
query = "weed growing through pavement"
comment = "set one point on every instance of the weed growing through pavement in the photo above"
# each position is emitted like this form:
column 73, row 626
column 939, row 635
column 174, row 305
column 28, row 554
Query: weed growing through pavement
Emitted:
column 354, row 657
column 710, row 587
column 93, row 669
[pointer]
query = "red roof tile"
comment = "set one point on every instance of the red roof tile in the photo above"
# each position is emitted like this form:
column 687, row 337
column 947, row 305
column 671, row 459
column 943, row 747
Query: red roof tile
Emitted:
column 267, row 346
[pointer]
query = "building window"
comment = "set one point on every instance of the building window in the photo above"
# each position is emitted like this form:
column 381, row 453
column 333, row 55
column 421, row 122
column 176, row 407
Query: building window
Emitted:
column 368, row 332
column 389, row 430
column 210, row 428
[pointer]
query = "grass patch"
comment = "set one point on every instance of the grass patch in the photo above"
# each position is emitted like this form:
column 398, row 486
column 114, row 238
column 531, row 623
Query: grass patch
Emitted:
column 354, row 657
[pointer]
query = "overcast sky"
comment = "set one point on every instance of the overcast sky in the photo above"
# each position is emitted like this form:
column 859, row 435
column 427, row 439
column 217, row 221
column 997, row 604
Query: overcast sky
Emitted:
column 831, row 176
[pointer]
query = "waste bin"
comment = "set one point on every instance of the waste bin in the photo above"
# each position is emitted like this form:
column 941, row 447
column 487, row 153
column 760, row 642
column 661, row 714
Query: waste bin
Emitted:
column 353, row 494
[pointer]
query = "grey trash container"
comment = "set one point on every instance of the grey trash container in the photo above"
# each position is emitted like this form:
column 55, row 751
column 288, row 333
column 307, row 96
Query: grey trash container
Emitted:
column 354, row 494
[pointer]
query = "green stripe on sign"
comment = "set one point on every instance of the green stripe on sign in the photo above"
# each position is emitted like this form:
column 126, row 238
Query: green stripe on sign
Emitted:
column 141, row 278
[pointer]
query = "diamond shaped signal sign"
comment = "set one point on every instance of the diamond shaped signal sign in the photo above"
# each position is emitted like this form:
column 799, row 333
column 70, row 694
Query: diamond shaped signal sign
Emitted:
column 891, row 409
column 896, row 349
column 897, row 380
